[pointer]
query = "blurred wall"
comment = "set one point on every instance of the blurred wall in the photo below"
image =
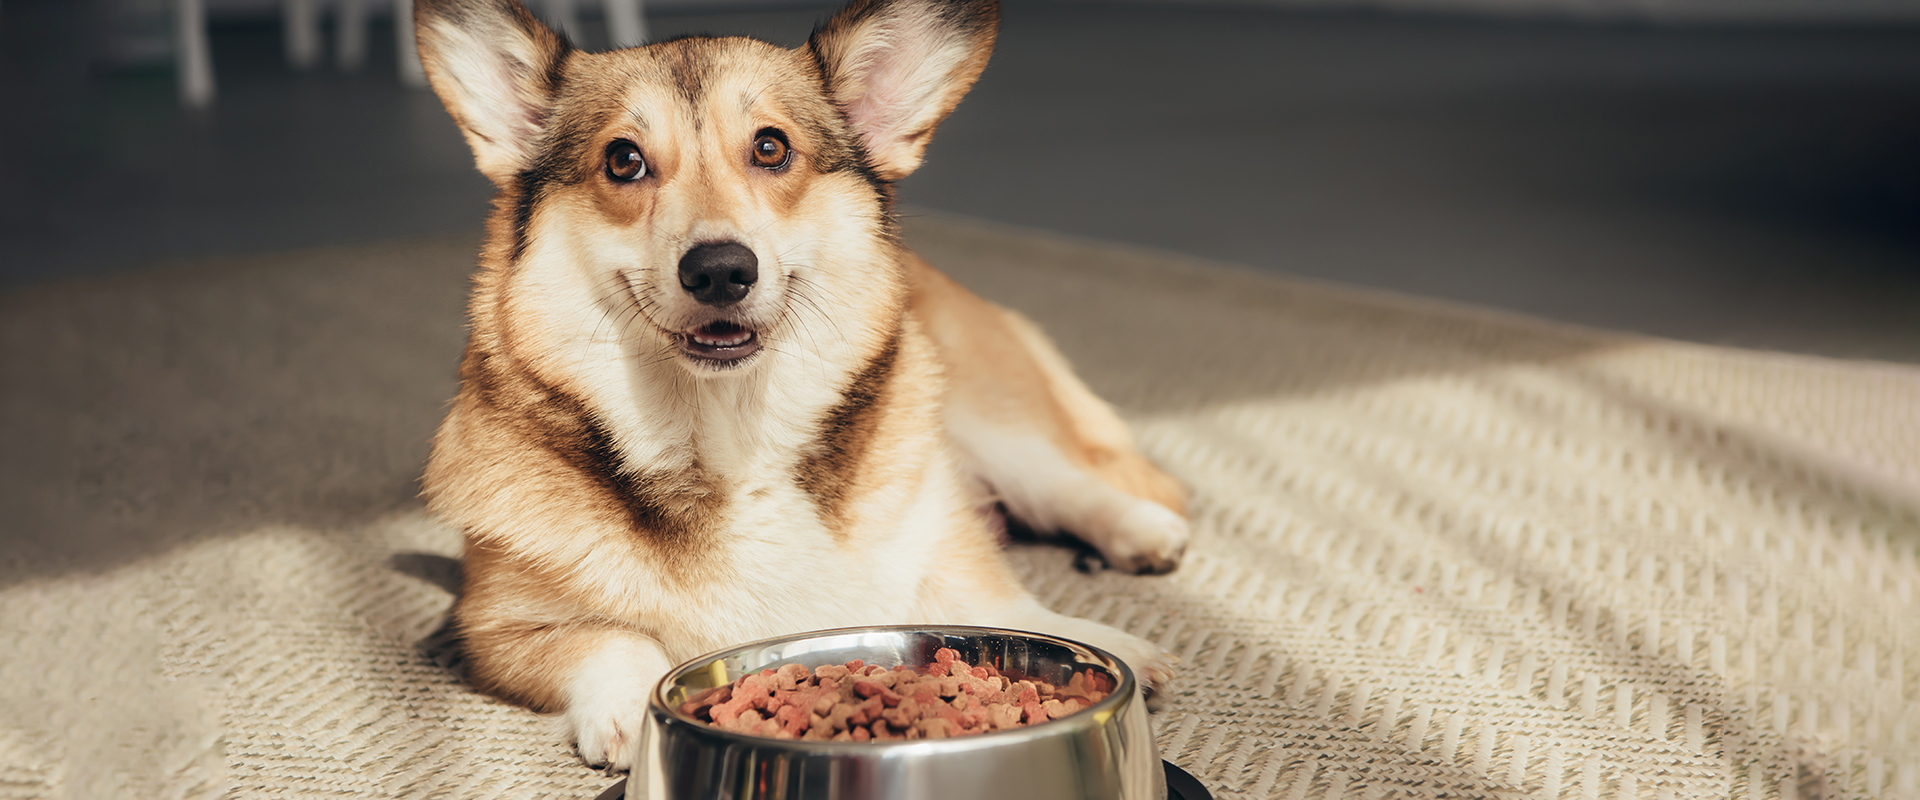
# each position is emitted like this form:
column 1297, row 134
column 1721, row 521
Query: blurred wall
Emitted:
column 1763, row 11
column 1674, row 10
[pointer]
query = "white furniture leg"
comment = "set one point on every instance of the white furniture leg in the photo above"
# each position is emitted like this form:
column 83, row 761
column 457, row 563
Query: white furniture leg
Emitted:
column 411, row 73
column 193, row 56
column 350, row 35
column 301, row 24
column 626, row 23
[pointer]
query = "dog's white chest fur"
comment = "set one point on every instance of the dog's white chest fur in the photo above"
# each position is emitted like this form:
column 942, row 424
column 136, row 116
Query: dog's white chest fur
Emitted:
column 778, row 564
column 786, row 572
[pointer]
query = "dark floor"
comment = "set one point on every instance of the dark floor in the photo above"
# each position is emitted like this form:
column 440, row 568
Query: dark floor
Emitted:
column 1756, row 186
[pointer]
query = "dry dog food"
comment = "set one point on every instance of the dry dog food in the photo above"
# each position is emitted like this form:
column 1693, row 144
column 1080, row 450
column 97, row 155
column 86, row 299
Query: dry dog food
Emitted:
column 855, row 702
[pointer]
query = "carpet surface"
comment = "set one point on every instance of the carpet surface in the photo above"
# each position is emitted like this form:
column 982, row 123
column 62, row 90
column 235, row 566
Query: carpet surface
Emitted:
column 1439, row 552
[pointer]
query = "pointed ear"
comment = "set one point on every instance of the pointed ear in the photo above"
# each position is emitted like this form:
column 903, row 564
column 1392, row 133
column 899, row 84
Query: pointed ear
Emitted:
column 496, row 68
column 897, row 67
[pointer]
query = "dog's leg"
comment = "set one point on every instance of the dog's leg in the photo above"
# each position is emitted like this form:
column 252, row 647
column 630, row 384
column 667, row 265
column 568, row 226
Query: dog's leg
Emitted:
column 1056, row 455
column 593, row 678
column 607, row 698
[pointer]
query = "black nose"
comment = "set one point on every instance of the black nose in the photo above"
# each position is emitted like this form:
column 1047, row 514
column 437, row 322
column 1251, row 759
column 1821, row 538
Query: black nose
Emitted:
column 719, row 274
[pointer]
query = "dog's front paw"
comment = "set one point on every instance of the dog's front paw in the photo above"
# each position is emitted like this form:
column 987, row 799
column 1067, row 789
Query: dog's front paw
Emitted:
column 1148, row 539
column 1154, row 667
column 607, row 738
column 607, row 704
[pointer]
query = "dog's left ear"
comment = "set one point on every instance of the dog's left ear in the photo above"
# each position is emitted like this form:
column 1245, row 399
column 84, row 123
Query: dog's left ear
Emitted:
column 897, row 67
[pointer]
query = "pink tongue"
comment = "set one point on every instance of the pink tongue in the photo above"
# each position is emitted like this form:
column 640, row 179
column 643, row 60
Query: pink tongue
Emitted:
column 722, row 334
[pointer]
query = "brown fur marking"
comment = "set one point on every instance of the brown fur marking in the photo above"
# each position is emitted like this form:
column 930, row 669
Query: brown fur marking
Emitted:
column 830, row 471
column 672, row 512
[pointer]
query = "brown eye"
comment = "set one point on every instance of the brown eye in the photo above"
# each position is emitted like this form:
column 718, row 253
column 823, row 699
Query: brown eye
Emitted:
column 624, row 162
column 770, row 150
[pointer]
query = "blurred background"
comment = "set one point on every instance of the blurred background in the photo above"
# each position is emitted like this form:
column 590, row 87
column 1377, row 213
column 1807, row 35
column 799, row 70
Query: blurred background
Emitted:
column 1740, row 172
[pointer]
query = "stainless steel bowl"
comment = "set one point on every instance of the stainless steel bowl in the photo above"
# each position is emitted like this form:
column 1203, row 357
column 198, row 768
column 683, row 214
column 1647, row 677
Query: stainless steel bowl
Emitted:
column 1105, row 752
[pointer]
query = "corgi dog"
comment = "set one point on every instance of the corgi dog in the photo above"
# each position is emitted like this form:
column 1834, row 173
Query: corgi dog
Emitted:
column 709, row 397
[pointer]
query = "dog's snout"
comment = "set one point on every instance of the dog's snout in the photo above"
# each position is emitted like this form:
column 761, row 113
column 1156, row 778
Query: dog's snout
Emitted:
column 719, row 274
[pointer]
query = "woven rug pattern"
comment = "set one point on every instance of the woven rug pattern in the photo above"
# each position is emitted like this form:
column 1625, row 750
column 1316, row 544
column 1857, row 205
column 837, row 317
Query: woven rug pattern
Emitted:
column 1440, row 552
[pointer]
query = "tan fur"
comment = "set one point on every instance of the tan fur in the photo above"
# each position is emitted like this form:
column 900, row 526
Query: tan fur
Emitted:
column 629, row 503
column 1002, row 365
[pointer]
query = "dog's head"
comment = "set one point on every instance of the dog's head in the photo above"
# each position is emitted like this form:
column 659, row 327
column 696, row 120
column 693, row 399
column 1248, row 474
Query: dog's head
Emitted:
column 707, row 198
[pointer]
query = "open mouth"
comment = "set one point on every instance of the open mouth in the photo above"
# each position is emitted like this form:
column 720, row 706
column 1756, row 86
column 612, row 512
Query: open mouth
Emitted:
column 724, row 342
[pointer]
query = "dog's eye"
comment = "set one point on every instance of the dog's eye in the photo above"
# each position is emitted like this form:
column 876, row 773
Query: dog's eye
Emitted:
column 770, row 150
column 624, row 162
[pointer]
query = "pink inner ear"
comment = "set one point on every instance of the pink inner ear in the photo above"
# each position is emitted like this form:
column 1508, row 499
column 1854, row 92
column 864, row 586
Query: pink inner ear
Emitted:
column 870, row 117
column 531, row 118
column 520, row 115
column 904, row 75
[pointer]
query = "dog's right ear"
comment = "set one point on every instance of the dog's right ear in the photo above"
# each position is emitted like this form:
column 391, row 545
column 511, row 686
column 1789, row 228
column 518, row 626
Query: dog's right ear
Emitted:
column 496, row 68
column 897, row 67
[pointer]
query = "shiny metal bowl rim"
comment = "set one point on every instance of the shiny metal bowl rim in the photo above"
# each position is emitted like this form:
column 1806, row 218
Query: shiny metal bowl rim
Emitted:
column 1098, row 713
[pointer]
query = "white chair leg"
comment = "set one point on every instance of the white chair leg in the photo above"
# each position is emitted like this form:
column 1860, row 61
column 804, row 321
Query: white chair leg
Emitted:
column 411, row 73
column 626, row 23
column 350, row 35
column 301, row 25
column 192, row 53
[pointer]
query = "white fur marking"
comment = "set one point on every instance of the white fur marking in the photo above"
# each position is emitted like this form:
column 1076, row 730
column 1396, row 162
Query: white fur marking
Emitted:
column 607, row 700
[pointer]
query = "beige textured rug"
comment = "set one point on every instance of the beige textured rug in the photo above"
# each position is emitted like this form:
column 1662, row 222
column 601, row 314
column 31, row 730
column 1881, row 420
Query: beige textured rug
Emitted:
column 1440, row 552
